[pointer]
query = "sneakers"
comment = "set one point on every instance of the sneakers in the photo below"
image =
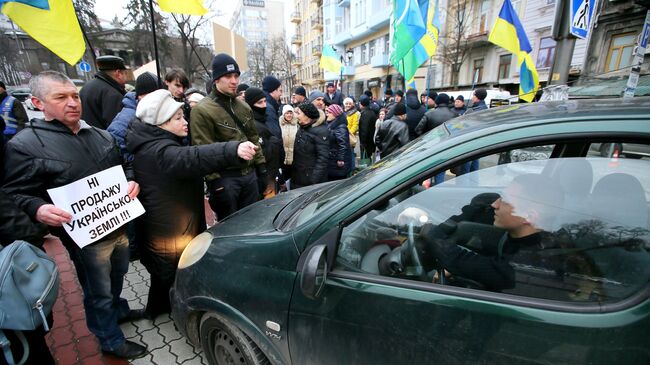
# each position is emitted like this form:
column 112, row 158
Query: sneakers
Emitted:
column 134, row 315
column 128, row 350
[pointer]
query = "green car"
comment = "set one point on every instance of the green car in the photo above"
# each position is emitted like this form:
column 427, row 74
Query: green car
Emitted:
column 541, row 261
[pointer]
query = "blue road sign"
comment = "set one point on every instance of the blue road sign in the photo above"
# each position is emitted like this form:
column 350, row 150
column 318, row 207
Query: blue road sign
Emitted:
column 581, row 11
column 645, row 34
column 84, row 66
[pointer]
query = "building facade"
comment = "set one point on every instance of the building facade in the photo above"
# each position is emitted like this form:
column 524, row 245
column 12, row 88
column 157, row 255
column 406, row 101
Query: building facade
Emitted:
column 308, row 43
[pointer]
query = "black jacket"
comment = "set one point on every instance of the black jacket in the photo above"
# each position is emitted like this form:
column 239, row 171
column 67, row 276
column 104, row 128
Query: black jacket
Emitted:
column 367, row 129
column 47, row 155
column 414, row 113
column 337, row 98
column 101, row 100
column 434, row 118
column 393, row 134
column 16, row 225
column 340, row 149
column 310, row 154
column 171, row 185
column 271, row 145
column 273, row 116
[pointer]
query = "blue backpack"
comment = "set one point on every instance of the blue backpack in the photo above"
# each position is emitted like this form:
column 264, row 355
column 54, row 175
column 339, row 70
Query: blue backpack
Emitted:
column 29, row 285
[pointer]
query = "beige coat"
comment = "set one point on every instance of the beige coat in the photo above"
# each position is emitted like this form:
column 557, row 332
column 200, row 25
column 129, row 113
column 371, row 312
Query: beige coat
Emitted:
column 289, row 130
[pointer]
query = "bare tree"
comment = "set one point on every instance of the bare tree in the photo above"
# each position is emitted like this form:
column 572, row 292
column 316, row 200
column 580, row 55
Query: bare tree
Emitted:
column 9, row 58
column 139, row 15
column 85, row 10
column 455, row 46
column 269, row 57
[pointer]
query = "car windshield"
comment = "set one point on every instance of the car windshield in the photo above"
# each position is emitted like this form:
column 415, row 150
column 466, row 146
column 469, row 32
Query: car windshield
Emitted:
column 360, row 182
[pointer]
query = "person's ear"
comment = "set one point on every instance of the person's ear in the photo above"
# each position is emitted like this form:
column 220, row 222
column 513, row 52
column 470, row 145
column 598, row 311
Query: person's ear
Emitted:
column 37, row 102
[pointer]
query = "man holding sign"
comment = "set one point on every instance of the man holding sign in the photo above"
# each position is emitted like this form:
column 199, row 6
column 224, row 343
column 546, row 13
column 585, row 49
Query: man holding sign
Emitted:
column 62, row 149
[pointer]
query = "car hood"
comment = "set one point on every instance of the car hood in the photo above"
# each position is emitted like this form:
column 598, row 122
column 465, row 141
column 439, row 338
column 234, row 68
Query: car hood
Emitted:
column 257, row 218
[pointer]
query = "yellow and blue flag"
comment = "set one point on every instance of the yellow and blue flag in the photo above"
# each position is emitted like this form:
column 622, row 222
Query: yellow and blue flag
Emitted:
column 408, row 28
column 426, row 45
column 508, row 33
column 329, row 60
column 189, row 7
column 52, row 23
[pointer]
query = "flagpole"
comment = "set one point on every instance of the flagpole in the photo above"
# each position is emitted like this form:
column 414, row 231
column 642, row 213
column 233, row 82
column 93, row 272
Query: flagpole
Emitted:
column 403, row 77
column 155, row 44
column 426, row 99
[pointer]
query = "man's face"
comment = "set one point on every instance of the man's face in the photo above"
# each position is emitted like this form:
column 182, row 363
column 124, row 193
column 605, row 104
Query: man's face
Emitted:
column 459, row 103
column 2, row 89
column 474, row 99
column 431, row 103
column 120, row 77
column 227, row 84
column 398, row 99
column 319, row 103
column 61, row 102
column 276, row 94
column 260, row 103
column 176, row 88
column 297, row 99
column 330, row 89
column 508, row 210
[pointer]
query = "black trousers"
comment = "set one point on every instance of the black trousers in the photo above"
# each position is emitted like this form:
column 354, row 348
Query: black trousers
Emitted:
column 232, row 193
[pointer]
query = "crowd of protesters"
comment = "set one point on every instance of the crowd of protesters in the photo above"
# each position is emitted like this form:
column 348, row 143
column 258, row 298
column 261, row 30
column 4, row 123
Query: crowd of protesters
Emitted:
column 237, row 143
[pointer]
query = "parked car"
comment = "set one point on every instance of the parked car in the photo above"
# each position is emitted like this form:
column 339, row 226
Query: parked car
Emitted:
column 21, row 93
column 345, row 272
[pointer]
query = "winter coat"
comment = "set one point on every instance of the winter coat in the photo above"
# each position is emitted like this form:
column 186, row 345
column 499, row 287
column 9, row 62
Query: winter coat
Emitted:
column 16, row 225
column 17, row 111
column 393, row 134
column 340, row 149
column 414, row 113
column 101, row 100
column 171, row 189
column 459, row 111
column 310, row 155
column 211, row 123
column 353, row 116
column 120, row 123
column 289, row 130
column 272, row 116
column 434, row 118
column 480, row 105
column 367, row 129
column 47, row 155
column 271, row 146
column 337, row 98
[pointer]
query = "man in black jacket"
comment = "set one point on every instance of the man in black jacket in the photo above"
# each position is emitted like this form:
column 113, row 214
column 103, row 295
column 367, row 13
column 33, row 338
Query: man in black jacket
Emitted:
column 101, row 98
column 367, row 127
column 414, row 112
column 333, row 96
column 13, row 113
column 437, row 116
column 58, row 150
column 393, row 133
column 273, row 90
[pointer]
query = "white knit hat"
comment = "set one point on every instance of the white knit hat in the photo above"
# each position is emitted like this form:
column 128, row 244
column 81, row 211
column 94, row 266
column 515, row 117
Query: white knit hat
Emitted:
column 195, row 97
column 287, row 108
column 157, row 107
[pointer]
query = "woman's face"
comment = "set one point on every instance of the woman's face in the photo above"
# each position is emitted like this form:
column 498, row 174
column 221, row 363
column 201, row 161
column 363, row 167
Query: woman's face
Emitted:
column 176, row 125
column 302, row 118
column 382, row 115
column 348, row 105
column 330, row 116
column 288, row 116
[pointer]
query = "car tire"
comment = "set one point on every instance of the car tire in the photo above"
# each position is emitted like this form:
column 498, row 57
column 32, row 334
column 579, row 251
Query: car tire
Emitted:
column 225, row 344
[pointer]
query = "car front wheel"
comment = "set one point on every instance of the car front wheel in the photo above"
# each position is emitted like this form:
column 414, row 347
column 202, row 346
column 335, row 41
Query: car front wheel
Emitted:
column 225, row 344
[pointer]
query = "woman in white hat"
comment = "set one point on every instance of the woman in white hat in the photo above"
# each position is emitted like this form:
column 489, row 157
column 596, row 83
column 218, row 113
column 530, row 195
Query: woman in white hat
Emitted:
column 170, row 175
column 289, row 127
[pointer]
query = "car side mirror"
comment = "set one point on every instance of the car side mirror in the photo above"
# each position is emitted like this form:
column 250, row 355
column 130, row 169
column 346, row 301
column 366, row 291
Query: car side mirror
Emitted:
column 314, row 272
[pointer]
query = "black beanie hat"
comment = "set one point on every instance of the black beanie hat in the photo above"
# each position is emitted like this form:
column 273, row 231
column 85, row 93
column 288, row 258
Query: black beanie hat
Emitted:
column 388, row 92
column 223, row 64
column 270, row 84
column 253, row 95
column 364, row 100
column 242, row 87
column 399, row 93
column 309, row 110
column 460, row 97
column 368, row 93
column 481, row 94
column 432, row 94
column 300, row 91
column 442, row 98
column 400, row 109
column 146, row 83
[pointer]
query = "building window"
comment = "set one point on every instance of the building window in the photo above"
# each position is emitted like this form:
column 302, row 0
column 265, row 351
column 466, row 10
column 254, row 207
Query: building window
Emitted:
column 477, row 71
column 546, row 53
column 504, row 66
column 371, row 49
column 483, row 16
column 620, row 51
column 364, row 53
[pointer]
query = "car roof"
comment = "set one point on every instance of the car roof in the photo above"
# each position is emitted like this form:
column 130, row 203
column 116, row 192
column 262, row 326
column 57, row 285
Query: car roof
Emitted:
column 545, row 112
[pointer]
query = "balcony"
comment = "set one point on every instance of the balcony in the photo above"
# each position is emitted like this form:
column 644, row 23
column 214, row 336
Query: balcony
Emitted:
column 295, row 17
column 479, row 39
column 296, row 39
column 317, row 50
column 379, row 60
column 343, row 3
column 296, row 62
column 317, row 78
column 317, row 22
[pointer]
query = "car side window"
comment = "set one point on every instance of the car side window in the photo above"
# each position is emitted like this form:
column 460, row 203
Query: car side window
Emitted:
column 568, row 229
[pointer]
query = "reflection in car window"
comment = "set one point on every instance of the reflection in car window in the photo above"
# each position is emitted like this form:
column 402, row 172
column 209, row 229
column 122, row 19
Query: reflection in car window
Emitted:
column 572, row 229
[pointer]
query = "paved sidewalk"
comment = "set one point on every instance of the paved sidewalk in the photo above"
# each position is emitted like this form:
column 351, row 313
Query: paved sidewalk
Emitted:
column 71, row 342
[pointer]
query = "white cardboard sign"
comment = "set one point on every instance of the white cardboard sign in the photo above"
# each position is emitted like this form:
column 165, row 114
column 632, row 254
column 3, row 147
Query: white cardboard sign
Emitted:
column 99, row 204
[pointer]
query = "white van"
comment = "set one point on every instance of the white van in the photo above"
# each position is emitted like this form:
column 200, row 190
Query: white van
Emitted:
column 495, row 97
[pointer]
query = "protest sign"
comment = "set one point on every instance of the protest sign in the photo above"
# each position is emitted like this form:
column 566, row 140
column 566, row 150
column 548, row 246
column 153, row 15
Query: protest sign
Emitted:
column 99, row 204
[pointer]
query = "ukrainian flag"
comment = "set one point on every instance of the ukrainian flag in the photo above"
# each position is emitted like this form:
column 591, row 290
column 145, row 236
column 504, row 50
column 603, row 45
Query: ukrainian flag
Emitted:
column 508, row 33
column 189, row 7
column 329, row 60
column 408, row 28
column 52, row 23
column 427, row 45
